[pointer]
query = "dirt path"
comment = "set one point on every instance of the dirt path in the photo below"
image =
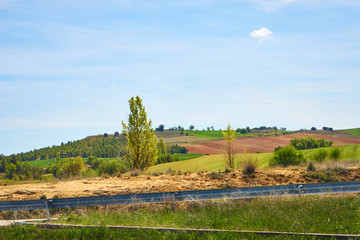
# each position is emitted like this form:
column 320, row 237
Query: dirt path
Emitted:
column 162, row 183
column 263, row 144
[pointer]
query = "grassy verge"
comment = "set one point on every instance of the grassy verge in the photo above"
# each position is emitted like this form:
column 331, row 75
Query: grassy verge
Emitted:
column 310, row 214
column 33, row 232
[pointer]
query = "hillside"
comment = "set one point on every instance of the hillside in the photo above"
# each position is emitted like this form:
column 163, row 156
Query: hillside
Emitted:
column 99, row 146
column 354, row 131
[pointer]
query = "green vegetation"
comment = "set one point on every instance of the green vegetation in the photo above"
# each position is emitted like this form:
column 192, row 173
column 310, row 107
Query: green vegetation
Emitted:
column 141, row 141
column 13, row 169
column 210, row 134
column 229, row 156
column 285, row 156
column 354, row 131
column 309, row 142
column 312, row 214
column 98, row 146
column 349, row 153
column 187, row 156
column 35, row 233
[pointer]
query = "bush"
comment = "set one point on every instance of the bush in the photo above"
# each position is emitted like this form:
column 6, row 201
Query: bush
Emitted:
column 335, row 153
column 111, row 167
column 311, row 167
column 286, row 156
column 250, row 165
column 320, row 155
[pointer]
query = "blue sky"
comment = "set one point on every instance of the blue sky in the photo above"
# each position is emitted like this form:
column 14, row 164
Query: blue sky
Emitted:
column 68, row 68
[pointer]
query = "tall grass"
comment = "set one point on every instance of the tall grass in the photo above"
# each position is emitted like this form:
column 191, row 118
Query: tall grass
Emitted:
column 319, row 214
column 34, row 232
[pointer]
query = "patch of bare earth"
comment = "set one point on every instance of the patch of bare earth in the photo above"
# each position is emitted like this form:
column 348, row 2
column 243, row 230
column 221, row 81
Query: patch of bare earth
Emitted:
column 162, row 183
column 264, row 144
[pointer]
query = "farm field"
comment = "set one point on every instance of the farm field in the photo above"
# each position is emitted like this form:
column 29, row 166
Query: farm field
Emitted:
column 215, row 162
column 263, row 144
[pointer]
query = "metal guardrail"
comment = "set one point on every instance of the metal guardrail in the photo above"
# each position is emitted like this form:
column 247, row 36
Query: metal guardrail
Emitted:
column 244, row 192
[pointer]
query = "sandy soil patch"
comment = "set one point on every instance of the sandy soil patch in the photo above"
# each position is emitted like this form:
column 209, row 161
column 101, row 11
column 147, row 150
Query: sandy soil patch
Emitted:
column 161, row 183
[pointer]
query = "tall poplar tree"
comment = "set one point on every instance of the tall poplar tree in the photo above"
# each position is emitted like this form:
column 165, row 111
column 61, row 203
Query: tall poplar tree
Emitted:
column 229, row 155
column 141, row 140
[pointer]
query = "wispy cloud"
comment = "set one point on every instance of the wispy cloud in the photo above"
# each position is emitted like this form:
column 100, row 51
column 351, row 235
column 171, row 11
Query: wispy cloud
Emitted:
column 262, row 34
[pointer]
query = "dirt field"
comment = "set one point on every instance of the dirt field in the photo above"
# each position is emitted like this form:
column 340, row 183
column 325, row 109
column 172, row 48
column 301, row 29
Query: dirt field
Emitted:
column 263, row 144
column 161, row 183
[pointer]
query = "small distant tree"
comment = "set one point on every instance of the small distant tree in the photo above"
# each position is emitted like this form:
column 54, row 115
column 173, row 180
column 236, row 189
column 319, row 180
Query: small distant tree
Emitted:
column 141, row 140
column 160, row 128
column 325, row 128
column 192, row 127
column 106, row 135
column 248, row 129
column 161, row 146
column 116, row 134
column 229, row 155
column 313, row 129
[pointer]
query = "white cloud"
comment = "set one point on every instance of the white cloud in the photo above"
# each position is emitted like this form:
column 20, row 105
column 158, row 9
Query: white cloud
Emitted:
column 262, row 33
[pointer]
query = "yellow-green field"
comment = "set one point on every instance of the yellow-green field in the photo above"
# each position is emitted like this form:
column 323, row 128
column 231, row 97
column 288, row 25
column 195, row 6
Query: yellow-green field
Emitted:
column 216, row 162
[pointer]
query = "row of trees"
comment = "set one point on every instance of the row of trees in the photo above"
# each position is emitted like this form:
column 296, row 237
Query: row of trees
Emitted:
column 309, row 142
column 12, row 168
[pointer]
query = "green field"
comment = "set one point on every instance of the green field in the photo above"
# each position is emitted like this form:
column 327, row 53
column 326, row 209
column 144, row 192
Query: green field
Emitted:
column 354, row 131
column 44, row 163
column 187, row 156
column 210, row 134
column 216, row 162
column 310, row 214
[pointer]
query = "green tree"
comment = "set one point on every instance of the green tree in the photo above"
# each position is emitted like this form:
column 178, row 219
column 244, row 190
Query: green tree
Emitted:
column 229, row 155
column 285, row 156
column 192, row 127
column 141, row 140
column 161, row 146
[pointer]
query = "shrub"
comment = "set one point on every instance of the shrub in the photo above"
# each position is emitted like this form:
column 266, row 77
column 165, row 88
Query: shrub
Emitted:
column 311, row 167
column 320, row 155
column 335, row 153
column 286, row 156
column 111, row 167
column 250, row 165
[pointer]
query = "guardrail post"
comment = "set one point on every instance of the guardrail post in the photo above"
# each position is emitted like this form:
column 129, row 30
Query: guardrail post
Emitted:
column 15, row 213
column 107, row 209
column 174, row 201
column 300, row 187
column 47, row 211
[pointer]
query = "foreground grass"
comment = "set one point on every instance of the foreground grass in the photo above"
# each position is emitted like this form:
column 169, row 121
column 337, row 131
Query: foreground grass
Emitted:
column 311, row 214
column 33, row 232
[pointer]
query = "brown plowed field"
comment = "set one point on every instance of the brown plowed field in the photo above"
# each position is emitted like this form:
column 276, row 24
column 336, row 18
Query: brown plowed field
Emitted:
column 263, row 144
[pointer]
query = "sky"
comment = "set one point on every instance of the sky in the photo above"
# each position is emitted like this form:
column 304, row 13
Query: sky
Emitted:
column 68, row 68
